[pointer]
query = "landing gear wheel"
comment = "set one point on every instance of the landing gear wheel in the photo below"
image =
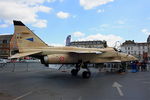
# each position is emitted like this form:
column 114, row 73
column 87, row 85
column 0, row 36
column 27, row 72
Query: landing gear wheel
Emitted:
column 86, row 74
column 74, row 72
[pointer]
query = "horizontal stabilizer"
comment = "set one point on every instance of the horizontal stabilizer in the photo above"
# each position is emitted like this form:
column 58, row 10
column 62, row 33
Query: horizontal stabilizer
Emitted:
column 20, row 55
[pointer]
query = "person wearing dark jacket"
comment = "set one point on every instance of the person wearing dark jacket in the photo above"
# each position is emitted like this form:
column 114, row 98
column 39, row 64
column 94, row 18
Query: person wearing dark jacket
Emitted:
column 134, row 67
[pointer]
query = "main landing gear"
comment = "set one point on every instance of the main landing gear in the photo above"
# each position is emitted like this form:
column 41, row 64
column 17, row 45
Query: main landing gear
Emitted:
column 75, row 71
column 85, row 74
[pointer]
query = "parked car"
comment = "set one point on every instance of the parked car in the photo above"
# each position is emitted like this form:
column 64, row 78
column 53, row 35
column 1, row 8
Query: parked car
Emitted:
column 3, row 61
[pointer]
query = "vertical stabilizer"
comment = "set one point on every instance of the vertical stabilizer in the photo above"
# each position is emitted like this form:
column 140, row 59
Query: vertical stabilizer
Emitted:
column 25, row 39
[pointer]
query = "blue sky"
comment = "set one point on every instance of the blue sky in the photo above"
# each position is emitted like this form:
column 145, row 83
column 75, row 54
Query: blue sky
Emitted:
column 53, row 20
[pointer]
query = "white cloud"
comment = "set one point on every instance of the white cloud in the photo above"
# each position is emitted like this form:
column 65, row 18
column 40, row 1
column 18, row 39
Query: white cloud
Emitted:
column 121, row 22
column 145, row 31
column 24, row 10
column 78, row 34
column 41, row 24
column 104, row 26
column 110, row 38
column 42, row 9
column 61, row 0
column 63, row 15
column 90, row 4
column 100, row 11
column 74, row 16
column 3, row 25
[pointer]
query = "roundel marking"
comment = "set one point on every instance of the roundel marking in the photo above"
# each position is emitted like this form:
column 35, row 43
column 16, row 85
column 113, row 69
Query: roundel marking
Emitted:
column 61, row 58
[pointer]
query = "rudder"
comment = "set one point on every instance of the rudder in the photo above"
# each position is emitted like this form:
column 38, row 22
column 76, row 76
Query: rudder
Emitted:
column 24, row 39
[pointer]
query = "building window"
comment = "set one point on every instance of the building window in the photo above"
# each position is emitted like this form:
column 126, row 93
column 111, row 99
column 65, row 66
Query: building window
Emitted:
column 143, row 52
column 139, row 47
column 128, row 48
column 4, row 41
column 125, row 48
column 135, row 52
column 139, row 52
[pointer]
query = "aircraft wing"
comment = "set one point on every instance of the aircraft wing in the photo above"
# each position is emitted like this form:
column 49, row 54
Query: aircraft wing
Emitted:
column 116, row 61
column 87, row 52
column 19, row 55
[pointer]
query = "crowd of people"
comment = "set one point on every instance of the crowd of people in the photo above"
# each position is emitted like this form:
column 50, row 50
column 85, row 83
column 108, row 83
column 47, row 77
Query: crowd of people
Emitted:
column 134, row 66
column 138, row 66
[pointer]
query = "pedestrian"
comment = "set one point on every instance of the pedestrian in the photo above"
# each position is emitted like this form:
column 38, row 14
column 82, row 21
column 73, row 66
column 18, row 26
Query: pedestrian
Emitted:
column 143, row 67
column 137, row 65
column 133, row 67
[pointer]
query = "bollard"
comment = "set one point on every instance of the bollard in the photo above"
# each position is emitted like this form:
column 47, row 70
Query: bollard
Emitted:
column 147, row 67
column 13, row 67
column 61, row 98
column 140, row 69
column 27, row 67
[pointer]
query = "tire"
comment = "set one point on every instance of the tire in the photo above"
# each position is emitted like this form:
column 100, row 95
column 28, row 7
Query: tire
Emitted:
column 74, row 72
column 86, row 74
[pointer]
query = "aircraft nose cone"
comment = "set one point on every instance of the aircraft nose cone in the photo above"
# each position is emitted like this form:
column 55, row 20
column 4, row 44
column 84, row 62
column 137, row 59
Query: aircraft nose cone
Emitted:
column 132, row 58
column 127, row 57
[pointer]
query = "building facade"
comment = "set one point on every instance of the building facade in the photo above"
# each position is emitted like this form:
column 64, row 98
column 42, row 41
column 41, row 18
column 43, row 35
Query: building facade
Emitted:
column 89, row 44
column 5, row 45
column 139, row 50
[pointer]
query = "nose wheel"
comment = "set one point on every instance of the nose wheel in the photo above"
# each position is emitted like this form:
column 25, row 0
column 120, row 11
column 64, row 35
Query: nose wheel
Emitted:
column 86, row 74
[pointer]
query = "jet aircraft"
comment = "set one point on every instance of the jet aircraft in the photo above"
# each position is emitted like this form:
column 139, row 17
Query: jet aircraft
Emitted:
column 25, row 43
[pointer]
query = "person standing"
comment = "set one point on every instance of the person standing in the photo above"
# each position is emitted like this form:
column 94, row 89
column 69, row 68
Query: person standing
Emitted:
column 143, row 67
column 134, row 67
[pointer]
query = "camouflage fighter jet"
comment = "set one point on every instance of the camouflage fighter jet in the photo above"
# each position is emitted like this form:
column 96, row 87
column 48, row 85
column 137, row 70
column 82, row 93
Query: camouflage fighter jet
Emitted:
column 25, row 43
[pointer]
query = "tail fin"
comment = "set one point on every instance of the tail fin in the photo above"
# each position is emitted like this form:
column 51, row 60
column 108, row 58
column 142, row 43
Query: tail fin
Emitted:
column 25, row 39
